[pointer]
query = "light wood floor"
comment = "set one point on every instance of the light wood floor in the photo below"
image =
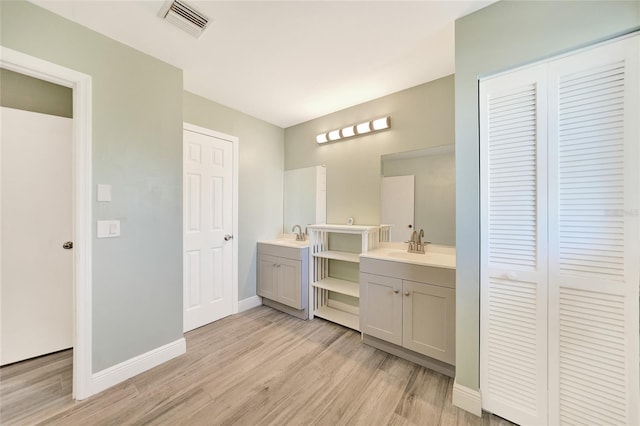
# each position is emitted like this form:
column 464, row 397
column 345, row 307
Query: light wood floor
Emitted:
column 256, row 368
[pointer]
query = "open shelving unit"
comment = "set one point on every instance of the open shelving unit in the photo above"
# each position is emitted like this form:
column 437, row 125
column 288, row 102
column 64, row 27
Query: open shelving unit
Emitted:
column 322, row 284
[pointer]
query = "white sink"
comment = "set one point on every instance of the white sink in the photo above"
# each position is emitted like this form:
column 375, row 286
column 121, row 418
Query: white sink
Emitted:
column 435, row 255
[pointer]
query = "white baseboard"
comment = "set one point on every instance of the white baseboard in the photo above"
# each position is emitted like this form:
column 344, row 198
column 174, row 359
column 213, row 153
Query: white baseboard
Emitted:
column 467, row 399
column 132, row 367
column 248, row 303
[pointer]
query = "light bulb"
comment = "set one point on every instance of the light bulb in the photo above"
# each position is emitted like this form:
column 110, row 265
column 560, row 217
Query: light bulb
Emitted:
column 347, row 132
column 380, row 123
column 334, row 135
column 322, row 138
column 363, row 128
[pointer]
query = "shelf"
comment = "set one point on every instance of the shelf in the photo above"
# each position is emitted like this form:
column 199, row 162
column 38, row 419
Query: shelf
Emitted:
column 339, row 255
column 345, row 229
column 336, row 285
column 339, row 317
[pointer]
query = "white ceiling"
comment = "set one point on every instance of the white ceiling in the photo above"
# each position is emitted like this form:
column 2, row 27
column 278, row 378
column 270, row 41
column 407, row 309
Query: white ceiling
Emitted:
column 290, row 61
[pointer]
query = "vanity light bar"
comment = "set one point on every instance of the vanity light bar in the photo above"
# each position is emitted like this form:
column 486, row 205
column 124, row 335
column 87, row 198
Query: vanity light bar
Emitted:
column 355, row 130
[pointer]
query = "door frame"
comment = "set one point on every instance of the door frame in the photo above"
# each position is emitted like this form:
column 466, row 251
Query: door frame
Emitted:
column 82, row 203
column 235, row 142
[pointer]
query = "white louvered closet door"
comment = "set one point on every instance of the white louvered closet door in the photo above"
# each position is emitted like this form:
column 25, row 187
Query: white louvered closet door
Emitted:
column 560, row 303
column 513, row 335
column 594, row 255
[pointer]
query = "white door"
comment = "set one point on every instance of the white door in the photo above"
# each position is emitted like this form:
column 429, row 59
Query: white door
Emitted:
column 564, row 133
column 208, row 227
column 397, row 206
column 36, row 287
column 513, row 275
column 594, row 235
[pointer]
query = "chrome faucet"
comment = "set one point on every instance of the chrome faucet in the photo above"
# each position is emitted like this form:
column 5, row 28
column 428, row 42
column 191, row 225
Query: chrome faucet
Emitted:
column 299, row 235
column 415, row 244
column 412, row 242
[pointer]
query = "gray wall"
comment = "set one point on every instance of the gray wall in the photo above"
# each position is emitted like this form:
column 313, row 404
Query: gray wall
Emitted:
column 20, row 91
column 421, row 117
column 498, row 37
column 260, row 201
column 137, row 148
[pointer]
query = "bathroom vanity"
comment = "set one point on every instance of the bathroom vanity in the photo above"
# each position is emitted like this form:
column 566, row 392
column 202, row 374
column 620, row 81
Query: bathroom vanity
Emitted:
column 283, row 275
column 407, row 304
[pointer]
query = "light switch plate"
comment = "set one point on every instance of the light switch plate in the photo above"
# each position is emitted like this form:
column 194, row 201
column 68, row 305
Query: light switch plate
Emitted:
column 104, row 192
column 108, row 228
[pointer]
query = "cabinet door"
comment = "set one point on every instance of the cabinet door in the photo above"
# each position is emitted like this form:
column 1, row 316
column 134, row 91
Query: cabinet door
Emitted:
column 289, row 282
column 429, row 320
column 381, row 307
column 267, row 276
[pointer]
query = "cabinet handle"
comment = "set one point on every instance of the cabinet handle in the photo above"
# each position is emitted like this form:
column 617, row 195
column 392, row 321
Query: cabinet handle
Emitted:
column 406, row 293
column 396, row 291
column 274, row 265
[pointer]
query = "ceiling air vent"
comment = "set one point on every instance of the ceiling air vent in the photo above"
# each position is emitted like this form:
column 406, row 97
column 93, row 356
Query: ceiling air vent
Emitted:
column 184, row 17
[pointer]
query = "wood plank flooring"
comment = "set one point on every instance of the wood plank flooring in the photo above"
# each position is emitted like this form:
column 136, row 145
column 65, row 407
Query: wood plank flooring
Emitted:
column 260, row 367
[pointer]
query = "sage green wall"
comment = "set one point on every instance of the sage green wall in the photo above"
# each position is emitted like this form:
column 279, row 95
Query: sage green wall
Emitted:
column 137, row 148
column 421, row 117
column 498, row 37
column 20, row 91
column 260, row 203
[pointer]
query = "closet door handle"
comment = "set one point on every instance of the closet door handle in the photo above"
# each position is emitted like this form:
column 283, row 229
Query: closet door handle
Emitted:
column 396, row 291
column 406, row 293
column 511, row 275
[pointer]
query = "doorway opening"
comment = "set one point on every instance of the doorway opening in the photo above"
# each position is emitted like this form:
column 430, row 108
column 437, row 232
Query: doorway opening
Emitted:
column 82, row 199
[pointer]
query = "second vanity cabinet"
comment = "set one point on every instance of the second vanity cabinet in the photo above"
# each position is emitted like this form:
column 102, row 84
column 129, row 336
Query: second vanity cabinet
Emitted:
column 283, row 277
column 411, row 306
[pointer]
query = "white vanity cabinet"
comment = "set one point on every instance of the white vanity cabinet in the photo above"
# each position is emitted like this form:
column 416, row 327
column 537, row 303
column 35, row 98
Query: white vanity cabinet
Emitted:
column 282, row 279
column 411, row 306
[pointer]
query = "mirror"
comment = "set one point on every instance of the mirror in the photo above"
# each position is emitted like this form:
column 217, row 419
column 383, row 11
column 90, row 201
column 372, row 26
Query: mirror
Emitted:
column 434, row 206
column 305, row 197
